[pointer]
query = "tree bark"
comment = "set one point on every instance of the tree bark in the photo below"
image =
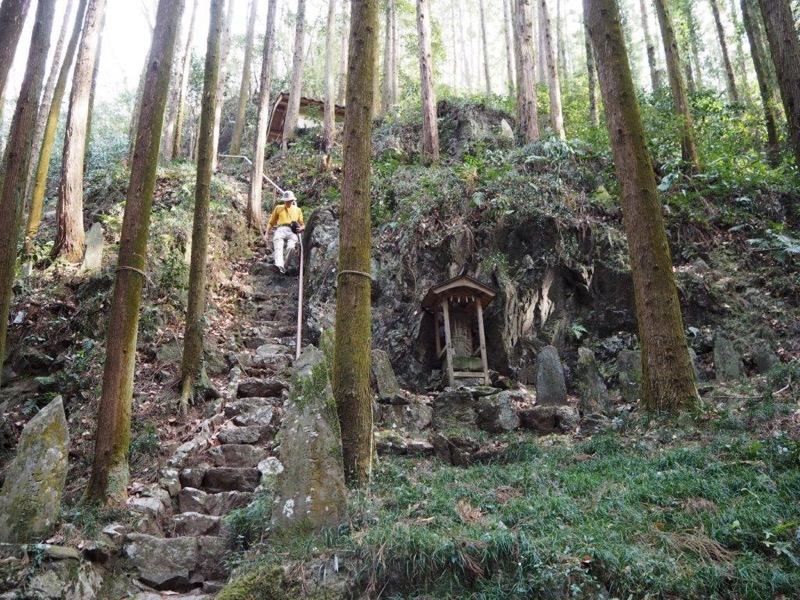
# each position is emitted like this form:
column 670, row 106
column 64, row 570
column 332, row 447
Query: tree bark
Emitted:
column 694, row 73
column 561, row 49
column 730, row 79
column 741, row 59
column 17, row 157
column 244, row 88
column 486, row 70
column 430, row 131
column 785, row 51
column 224, row 51
column 342, row 84
column 466, row 71
column 192, row 362
column 655, row 79
column 70, row 233
column 50, row 127
column 177, row 144
column 553, row 82
column 390, row 76
column 679, row 98
column 329, row 116
column 293, row 104
column 47, row 98
column 755, row 35
column 93, row 88
column 667, row 377
column 110, row 474
column 527, row 110
column 353, row 340
column 12, row 21
column 254, row 217
column 510, row 84
column 591, row 69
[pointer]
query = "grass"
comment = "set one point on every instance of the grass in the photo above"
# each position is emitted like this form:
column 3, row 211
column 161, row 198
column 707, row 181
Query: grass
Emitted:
column 658, row 510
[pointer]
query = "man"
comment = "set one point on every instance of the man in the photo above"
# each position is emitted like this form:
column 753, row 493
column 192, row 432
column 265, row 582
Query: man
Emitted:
column 281, row 220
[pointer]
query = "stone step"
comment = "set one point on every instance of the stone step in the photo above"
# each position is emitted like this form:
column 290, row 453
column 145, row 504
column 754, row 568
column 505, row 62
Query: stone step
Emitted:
column 253, row 387
column 196, row 500
column 245, row 435
column 178, row 564
column 230, row 479
column 195, row 524
column 254, row 412
column 241, row 456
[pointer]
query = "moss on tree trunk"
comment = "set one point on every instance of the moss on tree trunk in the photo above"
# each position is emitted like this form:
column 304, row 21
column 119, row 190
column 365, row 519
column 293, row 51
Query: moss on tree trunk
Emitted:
column 192, row 362
column 109, row 477
column 352, row 346
column 17, row 158
column 667, row 376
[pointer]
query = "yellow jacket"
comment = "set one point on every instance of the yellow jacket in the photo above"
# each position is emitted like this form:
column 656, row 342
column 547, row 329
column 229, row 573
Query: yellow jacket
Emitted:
column 284, row 216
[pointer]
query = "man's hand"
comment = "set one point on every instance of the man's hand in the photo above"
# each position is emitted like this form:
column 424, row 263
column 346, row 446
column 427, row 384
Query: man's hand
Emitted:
column 300, row 228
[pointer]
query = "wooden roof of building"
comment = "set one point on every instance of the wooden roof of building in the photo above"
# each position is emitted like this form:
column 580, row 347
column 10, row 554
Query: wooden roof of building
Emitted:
column 462, row 286
column 309, row 107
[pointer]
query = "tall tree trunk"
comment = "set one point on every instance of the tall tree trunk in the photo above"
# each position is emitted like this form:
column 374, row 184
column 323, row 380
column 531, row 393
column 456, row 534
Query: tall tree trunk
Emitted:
column 591, row 69
column 17, row 157
column 655, row 79
column 676, row 84
column 224, row 52
column 293, row 105
column 342, row 84
column 353, row 341
column 69, row 211
column 527, row 110
column 177, row 144
column 244, row 88
column 47, row 98
column 755, row 35
column 12, row 20
column 553, row 82
column 192, row 363
column 785, row 51
column 386, row 84
column 454, row 37
column 694, row 72
column 730, row 80
column 376, row 81
column 329, row 116
column 667, row 378
column 510, row 84
column 110, row 474
column 741, row 59
column 93, row 89
column 467, row 72
column 430, row 131
column 254, row 217
column 51, row 125
column 561, row 49
column 486, row 69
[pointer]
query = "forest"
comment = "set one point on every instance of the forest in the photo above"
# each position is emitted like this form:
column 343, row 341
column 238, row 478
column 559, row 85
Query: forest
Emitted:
column 403, row 299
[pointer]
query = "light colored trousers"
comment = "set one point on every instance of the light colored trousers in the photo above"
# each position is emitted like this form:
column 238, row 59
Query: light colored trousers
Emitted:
column 283, row 234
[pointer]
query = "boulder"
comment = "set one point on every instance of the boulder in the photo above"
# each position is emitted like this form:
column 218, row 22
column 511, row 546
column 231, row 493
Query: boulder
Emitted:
column 454, row 409
column 195, row 524
column 228, row 479
column 549, row 419
column 383, row 376
column 413, row 417
column 252, row 387
column 456, row 450
column 496, row 414
column 551, row 387
column 629, row 369
column 34, row 481
column 727, row 361
column 176, row 564
column 242, row 435
column 310, row 493
column 591, row 387
column 594, row 424
column 251, row 412
column 764, row 357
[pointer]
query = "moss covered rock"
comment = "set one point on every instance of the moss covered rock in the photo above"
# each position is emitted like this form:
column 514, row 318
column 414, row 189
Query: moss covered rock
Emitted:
column 34, row 483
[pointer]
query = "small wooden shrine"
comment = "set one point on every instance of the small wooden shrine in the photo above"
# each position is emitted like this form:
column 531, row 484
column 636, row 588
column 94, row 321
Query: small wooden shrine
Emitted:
column 455, row 305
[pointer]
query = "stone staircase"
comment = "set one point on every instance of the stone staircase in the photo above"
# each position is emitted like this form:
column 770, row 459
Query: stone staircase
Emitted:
column 178, row 551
